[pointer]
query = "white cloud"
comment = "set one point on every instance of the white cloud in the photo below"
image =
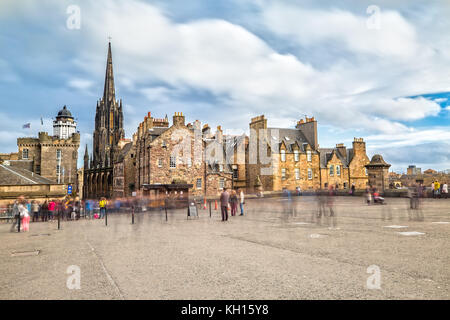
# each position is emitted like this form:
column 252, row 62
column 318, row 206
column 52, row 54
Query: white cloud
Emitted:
column 81, row 84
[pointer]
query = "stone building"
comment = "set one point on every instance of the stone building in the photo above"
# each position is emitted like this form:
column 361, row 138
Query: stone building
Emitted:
column 341, row 167
column 288, row 158
column 124, row 171
column 378, row 171
column 53, row 157
column 98, row 169
column 176, row 155
column 283, row 157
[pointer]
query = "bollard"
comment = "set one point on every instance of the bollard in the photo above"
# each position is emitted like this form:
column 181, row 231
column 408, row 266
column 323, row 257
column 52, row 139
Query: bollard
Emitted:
column 106, row 217
column 165, row 209
column 18, row 223
column 132, row 215
column 210, row 209
column 59, row 218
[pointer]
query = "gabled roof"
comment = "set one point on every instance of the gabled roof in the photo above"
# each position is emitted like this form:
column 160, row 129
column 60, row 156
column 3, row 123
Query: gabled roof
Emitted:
column 327, row 153
column 18, row 176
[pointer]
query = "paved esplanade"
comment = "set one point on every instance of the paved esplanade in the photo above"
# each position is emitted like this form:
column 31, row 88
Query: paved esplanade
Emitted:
column 263, row 255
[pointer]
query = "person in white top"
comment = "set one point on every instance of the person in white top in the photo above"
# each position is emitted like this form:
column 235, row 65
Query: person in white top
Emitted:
column 242, row 201
column 445, row 190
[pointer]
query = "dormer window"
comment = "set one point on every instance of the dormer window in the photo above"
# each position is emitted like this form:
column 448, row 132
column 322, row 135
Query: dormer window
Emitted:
column 283, row 155
column 163, row 144
column 308, row 155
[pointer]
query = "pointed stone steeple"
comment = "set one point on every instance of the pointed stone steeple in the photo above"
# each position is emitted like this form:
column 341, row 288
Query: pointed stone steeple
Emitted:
column 108, row 119
column 86, row 158
column 109, row 93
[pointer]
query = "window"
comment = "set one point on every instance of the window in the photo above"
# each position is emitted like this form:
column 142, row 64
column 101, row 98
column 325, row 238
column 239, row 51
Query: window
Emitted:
column 173, row 161
column 235, row 173
column 160, row 163
column 297, row 174
column 163, row 144
column 199, row 183
column 308, row 156
column 189, row 162
column 331, row 170
column 58, row 154
column 221, row 183
column 309, row 174
column 221, row 167
column 283, row 174
column 296, row 158
column 25, row 154
column 58, row 169
column 367, row 173
column 283, row 155
column 345, row 185
column 38, row 169
column 338, row 170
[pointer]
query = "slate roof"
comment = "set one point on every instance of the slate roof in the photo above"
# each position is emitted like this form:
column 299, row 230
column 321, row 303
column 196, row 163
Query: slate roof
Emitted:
column 18, row 176
column 124, row 151
column 327, row 153
column 289, row 137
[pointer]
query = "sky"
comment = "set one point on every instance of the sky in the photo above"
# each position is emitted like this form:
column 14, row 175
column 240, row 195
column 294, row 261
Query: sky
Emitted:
column 379, row 70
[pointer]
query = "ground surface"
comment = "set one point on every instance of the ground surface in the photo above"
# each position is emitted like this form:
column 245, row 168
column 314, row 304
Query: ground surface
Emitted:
column 266, row 254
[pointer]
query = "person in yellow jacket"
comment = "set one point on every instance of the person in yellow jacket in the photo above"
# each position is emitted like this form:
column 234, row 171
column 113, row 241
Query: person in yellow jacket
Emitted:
column 437, row 189
column 102, row 204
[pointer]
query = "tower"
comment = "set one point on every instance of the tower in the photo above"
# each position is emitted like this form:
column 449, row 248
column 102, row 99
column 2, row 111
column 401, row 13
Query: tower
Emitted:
column 108, row 120
column 64, row 126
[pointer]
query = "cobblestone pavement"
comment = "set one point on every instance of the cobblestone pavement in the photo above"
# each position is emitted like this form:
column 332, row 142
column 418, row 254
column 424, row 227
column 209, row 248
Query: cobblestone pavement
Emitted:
column 276, row 251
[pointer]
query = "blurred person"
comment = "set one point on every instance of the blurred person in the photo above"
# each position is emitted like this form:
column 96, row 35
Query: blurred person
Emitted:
column 437, row 187
column 368, row 194
column 330, row 204
column 233, row 202
column 24, row 215
column 287, row 207
column 102, row 205
column 224, row 200
column 241, row 201
column 35, row 210
column 16, row 214
column 445, row 190
column 88, row 208
column 353, row 189
column 44, row 211
column 51, row 209
column 117, row 205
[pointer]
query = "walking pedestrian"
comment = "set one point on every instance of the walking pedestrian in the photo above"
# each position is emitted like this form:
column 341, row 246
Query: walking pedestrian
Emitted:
column 44, row 211
column 353, row 189
column 16, row 214
column 224, row 199
column 102, row 204
column 51, row 209
column 35, row 210
column 242, row 201
column 24, row 215
column 233, row 202
column 437, row 186
column 368, row 195
column 445, row 190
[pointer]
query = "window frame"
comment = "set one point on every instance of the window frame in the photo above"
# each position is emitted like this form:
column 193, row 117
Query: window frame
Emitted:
column 310, row 174
column 308, row 155
column 296, row 156
column 172, row 162
column 283, row 155
column 297, row 173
